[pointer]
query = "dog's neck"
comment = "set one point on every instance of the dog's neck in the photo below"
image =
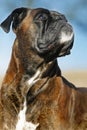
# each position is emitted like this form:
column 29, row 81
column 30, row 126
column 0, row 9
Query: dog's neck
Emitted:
column 45, row 70
column 37, row 83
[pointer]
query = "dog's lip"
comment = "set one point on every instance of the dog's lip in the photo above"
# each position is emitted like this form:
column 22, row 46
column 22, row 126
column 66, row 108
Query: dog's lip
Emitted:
column 47, row 47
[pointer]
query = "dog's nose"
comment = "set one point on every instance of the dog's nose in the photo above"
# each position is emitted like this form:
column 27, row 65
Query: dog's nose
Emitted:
column 66, row 34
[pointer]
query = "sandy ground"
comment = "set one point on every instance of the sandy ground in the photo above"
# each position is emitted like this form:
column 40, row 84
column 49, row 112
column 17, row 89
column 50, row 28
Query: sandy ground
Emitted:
column 78, row 78
column 1, row 78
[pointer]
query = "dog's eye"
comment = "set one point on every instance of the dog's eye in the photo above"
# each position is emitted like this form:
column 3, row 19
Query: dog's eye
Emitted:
column 42, row 17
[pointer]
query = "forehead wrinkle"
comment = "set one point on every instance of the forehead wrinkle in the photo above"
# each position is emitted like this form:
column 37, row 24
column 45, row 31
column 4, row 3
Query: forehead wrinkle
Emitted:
column 26, row 22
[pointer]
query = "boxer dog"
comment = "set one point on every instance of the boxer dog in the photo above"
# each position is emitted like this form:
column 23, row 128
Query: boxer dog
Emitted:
column 33, row 89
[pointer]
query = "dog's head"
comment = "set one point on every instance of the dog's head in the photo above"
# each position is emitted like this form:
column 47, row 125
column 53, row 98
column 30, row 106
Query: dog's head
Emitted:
column 47, row 33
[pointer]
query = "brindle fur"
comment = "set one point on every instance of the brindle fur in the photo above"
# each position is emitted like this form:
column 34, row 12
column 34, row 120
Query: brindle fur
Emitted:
column 52, row 101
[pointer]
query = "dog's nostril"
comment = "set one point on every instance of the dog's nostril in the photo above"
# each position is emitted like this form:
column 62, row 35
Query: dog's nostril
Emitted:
column 41, row 45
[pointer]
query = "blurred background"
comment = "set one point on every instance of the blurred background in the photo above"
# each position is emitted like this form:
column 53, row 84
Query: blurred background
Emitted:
column 73, row 66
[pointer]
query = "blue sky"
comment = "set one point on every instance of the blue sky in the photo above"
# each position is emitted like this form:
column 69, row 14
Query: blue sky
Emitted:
column 78, row 57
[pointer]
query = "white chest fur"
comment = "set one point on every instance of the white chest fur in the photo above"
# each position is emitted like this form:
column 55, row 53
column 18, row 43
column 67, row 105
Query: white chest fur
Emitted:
column 34, row 79
column 22, row 124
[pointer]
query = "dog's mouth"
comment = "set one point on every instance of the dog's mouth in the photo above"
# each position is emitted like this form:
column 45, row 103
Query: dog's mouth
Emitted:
column 43, row 47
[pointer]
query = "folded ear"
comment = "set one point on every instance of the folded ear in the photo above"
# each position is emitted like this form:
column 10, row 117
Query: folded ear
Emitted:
column 6, row 24
column 16, row 17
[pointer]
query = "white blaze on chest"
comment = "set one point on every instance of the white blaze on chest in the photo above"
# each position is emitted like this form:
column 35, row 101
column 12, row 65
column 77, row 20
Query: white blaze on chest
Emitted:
column 34, row 79
column 22, row 124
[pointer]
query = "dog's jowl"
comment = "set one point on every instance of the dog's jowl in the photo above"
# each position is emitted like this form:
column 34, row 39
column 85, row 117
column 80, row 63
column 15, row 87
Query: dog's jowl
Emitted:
column 34, row 94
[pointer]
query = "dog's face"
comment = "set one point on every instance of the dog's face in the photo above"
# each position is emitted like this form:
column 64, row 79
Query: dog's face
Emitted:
column 46, row 32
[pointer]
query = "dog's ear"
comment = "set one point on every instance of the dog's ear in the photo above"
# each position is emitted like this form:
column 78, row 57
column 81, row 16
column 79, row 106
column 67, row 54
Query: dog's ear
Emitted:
column 16, row 17
column 6, row 24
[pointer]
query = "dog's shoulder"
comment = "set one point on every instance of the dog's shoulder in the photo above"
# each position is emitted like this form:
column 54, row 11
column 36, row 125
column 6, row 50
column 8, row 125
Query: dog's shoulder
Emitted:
column 68, row 83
